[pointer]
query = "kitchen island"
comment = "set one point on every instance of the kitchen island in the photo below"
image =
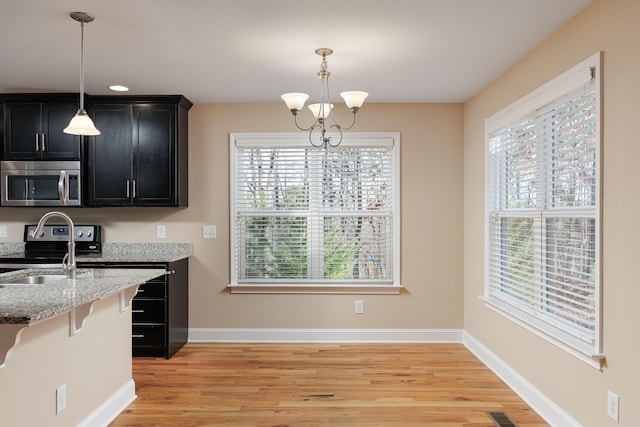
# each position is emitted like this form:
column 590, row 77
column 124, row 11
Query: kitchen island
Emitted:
column 65, row 347
column 161, row 308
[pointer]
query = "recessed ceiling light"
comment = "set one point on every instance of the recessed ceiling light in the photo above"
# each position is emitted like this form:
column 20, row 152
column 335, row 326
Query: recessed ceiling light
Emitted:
column 119, row 88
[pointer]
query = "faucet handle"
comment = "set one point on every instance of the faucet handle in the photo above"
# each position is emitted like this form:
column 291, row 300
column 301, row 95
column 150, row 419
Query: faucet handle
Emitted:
column 65, row 262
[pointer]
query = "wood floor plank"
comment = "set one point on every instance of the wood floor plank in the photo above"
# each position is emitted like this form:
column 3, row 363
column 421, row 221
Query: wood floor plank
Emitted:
column 277, row 385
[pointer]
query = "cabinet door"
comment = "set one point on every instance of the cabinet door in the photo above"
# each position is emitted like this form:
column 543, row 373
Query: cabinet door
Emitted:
column 110, row 156
column 57, row 144
column 21, row 131
column 34, row 131
column 154, row 164
column 178, row 305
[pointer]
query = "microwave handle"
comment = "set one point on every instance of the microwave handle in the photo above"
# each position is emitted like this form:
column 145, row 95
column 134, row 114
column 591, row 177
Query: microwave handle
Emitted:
column 62, row 186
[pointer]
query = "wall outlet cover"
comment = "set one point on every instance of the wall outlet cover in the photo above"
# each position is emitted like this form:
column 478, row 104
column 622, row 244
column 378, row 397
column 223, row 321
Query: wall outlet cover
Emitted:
column 208, row 231
column 613, row 406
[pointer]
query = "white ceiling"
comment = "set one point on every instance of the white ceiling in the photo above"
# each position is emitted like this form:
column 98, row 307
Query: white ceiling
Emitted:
column 221, row 51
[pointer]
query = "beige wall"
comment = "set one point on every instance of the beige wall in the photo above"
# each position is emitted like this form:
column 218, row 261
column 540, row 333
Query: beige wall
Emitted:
column 431, row 179
column 610, row 26
column 94, row 364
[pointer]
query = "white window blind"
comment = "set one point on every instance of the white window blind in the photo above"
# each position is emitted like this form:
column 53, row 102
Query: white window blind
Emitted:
column 543, row 199
column 303, row 215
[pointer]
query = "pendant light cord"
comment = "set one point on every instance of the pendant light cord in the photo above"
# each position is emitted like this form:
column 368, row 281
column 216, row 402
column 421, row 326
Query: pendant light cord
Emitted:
column 81, row 66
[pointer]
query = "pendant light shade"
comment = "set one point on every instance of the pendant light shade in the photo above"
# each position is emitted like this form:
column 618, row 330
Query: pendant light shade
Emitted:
column 81, row 123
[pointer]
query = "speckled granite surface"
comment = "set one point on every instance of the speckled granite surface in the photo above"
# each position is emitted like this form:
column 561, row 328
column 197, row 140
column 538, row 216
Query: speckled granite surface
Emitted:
column 11, row 248
column 30, row 304
column 120, row 252
column 142, row 252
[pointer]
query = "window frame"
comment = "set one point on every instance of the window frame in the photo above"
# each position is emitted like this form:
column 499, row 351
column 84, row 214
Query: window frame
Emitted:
column 539, row 324
column 274, row 139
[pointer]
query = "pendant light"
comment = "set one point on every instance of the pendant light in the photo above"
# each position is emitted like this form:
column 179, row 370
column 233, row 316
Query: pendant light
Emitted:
column 81, row 123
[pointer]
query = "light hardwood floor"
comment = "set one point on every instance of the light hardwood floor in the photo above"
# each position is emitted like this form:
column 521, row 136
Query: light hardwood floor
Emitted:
column 319, row 385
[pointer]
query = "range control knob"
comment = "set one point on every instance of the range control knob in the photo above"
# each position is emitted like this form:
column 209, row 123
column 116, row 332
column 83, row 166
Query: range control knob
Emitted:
column 79, row 234
column 89, row 234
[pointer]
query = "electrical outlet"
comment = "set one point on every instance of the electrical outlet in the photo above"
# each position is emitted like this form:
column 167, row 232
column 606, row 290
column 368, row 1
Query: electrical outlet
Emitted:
column 359, row 307
column 161, row 231
column 61, row 398
column 208, row 231
column 3, row 231
column 613, row 406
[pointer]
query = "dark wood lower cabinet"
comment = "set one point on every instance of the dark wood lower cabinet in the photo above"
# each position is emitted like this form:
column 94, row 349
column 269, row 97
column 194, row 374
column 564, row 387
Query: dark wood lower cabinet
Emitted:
column 160, row 309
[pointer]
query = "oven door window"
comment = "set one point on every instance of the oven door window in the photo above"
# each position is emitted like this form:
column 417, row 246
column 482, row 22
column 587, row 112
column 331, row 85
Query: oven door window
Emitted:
column 37, row 187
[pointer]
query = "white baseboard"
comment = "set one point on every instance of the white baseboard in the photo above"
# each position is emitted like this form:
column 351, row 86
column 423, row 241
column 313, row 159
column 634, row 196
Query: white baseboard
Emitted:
column 324, row 335
column 112, row 407
column 540, row 403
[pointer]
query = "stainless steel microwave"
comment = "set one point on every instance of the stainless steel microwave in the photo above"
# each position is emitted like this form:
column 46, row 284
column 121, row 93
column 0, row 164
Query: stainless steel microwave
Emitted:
column 41, row 183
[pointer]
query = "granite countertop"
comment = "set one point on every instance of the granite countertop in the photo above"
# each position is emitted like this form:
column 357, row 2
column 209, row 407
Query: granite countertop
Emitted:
column 33, row 303
column 142, row 252
column 119, row 252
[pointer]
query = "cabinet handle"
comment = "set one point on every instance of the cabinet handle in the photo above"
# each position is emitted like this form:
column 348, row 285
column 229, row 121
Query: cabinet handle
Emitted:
column 37, row 143
column 62, row 186
column 44, row 136
column 134, row 188
column 127, row 188
column 137, row 311
column 137, row 336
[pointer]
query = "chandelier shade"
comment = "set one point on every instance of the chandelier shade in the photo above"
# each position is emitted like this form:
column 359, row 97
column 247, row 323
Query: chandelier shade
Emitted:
column 321, row 111
column 354, row 98
column 295, row 102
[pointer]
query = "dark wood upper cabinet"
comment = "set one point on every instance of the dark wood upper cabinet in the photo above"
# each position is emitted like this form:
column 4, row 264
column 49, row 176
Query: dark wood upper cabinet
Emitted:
column 140, row 158
column 33, row 124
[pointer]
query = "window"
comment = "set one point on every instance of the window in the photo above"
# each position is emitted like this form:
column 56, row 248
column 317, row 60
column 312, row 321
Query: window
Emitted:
column 305, row 219
column 543, row 210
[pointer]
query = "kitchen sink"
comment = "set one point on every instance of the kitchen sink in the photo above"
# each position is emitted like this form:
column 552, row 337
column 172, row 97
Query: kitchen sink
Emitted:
column 33, row 280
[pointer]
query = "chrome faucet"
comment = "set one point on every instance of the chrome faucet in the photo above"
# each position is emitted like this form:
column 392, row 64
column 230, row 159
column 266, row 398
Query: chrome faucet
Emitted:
column 69, row 260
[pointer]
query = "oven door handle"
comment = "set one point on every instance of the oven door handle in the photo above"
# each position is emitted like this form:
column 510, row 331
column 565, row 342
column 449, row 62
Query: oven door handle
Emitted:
column 62, row 186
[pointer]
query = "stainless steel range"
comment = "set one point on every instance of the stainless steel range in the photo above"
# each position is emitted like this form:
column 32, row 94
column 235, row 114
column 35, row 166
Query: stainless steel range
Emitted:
column 52, row 246
column 52, row 243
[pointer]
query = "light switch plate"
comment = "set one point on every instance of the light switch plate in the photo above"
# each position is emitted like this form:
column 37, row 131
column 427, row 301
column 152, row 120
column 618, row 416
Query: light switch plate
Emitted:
column 61, row 398
column 208, row 231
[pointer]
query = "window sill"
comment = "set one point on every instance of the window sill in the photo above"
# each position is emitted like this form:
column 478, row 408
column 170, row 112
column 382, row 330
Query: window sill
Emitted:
column 592, row 359
column 316, row 289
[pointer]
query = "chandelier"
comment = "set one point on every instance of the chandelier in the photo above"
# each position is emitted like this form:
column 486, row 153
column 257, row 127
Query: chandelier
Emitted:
column 321, row 110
